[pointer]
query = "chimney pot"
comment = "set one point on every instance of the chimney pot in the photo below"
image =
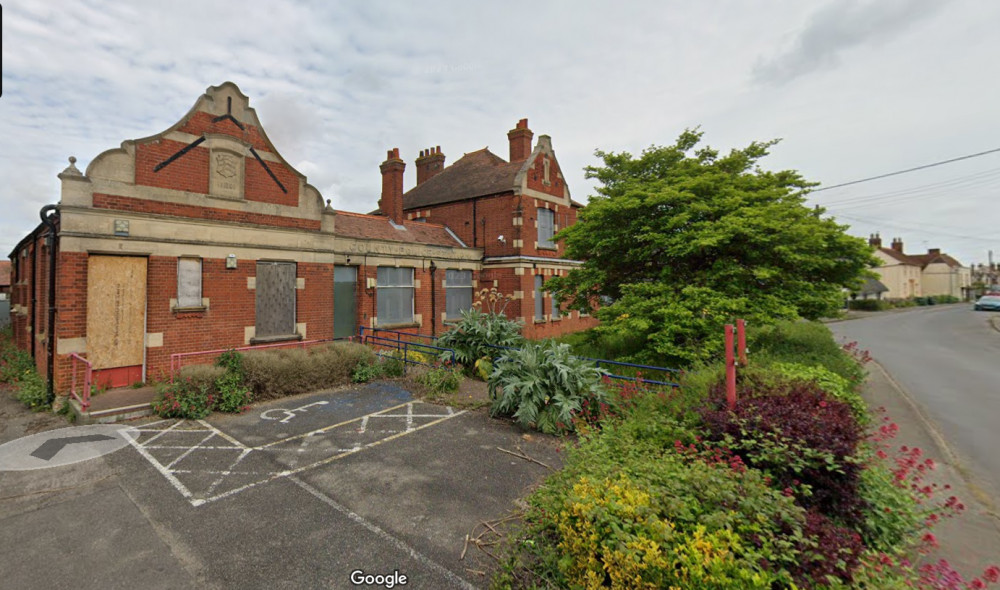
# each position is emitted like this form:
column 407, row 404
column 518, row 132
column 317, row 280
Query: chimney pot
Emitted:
column 429, row 164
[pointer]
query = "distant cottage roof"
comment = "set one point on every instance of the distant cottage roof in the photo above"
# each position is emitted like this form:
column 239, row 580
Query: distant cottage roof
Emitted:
column 921, row 260
column 475, row 174
column 367, row 227
column 873, row 287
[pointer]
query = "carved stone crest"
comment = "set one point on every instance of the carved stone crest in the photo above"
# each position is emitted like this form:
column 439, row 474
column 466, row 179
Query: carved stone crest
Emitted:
column 226, row 174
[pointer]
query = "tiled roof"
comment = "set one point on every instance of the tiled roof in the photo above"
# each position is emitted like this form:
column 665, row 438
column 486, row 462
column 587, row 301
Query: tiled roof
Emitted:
column 900, row 256
column 4, row 273
column 475, row 174
column 356, row 225
column 921, row 260
column 872, row 287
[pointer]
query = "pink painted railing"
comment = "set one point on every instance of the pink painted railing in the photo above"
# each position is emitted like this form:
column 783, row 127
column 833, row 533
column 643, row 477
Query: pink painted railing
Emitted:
column 177, row 359
column 88, row 378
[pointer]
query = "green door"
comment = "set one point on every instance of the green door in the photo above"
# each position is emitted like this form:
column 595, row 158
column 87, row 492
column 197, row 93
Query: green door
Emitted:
column 345, row 279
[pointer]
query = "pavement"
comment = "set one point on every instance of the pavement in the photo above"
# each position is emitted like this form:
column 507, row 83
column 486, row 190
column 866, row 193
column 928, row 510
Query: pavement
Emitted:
column 970, row 541
column 296, row 493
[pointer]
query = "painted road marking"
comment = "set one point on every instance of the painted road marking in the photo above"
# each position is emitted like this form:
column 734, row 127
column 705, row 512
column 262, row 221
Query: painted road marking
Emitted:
column 64, row 446
column 289, row 414
column 382, row 534
column 205, row 464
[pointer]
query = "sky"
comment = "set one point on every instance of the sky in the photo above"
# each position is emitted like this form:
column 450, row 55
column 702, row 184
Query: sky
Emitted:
column 853, row 89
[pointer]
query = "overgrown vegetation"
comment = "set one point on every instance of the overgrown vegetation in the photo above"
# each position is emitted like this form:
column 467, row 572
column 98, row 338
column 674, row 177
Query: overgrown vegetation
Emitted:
column 239, row 379
column 671, row 489
column 473, row 337
column 17, row 370
column 884, row 304
column 543, row 386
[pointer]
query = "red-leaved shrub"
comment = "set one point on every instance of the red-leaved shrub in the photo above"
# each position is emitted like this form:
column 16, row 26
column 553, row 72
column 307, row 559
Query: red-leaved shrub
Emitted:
column 801, row 436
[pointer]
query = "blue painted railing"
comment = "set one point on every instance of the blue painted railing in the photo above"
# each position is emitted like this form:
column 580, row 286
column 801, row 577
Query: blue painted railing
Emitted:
column 394, row 340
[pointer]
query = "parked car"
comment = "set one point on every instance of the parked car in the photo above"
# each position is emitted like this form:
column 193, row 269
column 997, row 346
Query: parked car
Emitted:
column 988, row 303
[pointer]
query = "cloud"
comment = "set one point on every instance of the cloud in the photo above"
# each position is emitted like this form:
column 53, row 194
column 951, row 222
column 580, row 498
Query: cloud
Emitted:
column 837, row 28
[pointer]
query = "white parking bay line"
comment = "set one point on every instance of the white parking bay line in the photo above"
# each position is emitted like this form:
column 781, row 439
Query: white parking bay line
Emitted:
column 189, row 481
column 382, row 534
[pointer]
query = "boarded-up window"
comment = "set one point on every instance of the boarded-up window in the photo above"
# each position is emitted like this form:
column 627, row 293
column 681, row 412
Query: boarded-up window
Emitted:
column 275, row 299
column 546, row 228
column 189, row 282
column 395, row 295
column 539, row 305
column 458, row 293
column 555, row 306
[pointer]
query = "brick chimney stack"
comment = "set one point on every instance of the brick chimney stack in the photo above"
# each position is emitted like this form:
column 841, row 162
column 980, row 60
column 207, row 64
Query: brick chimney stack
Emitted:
column 391, row 202
column 429, row 164
column 934, row 251
column 875, row 240
column 520, row 141
column 897, row 245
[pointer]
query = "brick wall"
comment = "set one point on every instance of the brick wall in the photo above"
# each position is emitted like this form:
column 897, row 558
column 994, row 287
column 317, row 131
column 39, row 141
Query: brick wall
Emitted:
column 120, row 203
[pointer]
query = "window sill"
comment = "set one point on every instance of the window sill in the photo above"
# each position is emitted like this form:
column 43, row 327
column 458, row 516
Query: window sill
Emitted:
column 550, row 248
column 538, row 321
column 274, row 339
column 397, row 326
column 199, row 309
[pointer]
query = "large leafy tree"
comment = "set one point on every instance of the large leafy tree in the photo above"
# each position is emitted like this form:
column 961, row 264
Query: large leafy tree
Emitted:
column 683, row 240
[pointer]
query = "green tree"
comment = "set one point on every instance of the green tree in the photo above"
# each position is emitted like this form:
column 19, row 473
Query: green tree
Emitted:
column 683, row 241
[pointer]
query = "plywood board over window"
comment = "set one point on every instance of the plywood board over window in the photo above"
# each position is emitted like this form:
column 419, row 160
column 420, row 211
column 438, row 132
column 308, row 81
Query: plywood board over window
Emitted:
column 275, row 304
column 116, row 316
column 189, row 282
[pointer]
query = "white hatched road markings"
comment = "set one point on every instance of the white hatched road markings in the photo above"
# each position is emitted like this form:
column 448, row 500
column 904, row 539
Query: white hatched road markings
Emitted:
column 190, row 482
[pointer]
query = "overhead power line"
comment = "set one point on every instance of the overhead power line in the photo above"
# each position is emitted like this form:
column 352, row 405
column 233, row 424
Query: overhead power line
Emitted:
column 897, row 173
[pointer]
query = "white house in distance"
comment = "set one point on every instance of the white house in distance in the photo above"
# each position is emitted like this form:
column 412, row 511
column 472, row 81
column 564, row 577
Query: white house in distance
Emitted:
column 919, row 275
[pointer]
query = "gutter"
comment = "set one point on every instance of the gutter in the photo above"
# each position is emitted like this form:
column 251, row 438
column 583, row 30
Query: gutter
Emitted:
column 49, row 215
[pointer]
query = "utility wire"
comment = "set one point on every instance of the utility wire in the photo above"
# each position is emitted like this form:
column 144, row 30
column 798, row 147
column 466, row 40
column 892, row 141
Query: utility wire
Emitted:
column 952, row 183
column 916, row 229
column 826, row 188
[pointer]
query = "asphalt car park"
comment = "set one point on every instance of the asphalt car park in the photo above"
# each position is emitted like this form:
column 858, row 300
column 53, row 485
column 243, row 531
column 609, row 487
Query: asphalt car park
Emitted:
column 365, row 484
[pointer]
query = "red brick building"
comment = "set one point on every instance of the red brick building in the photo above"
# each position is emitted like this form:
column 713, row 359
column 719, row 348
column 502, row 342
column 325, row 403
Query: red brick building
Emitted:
column 203, row 237
column 510, row 209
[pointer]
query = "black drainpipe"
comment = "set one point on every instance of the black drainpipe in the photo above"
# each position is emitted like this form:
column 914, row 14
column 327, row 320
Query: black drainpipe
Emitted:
column 49, row 214
column 34, row 286
column 433, row 301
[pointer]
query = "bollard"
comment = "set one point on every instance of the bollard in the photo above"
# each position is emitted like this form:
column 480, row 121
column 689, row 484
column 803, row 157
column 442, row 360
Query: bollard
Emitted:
column 730, row 369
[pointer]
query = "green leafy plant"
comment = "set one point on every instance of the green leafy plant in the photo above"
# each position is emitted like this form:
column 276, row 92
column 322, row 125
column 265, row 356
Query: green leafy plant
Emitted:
column 233, row 394
column 473, row 335
column 184, row 398
column 543, row 386
column 442, row 379
column 32, row 391
column 366, row 371
column 836, row 386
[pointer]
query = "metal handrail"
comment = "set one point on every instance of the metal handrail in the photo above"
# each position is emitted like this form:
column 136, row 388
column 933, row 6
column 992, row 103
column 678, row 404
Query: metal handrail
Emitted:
column 88, row 377
column 599, row 362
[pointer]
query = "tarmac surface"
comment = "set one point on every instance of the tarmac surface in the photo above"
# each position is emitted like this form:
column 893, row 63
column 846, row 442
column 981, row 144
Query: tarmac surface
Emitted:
column 296, row 493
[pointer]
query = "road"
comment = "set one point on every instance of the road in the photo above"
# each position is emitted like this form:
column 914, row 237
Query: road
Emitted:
column 947, row 358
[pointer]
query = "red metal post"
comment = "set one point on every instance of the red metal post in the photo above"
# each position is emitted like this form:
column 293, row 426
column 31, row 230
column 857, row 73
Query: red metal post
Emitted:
column 741, row 341
column 730, row 369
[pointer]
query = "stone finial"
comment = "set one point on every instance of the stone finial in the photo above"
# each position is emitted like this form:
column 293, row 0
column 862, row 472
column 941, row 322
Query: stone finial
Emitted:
column 71, row 170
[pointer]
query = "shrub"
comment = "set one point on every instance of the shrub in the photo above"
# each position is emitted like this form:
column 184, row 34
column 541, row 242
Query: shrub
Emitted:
column 544, row 386
column 807, row 343
column 184, row 398
column 890, row 514
column 365, row 372
column 826, row 551
column 650, row 517
column 202, row 376
column 14, row 363
column 833, row 384
column 33, row 392
column 278, row 373
column 801, row 438
column 440, row 379
column 476, row 331
column 868, row 304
